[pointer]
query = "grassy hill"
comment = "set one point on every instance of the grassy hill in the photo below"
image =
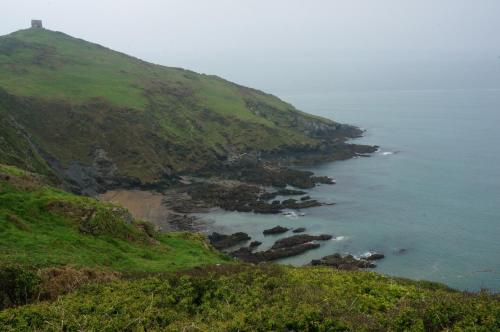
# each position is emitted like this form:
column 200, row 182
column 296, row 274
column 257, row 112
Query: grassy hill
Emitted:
column 72, row 263
column 84, row 112
column 41, row 226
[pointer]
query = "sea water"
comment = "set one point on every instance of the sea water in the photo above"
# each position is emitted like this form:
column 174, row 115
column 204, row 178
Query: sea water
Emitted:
column 429, row 199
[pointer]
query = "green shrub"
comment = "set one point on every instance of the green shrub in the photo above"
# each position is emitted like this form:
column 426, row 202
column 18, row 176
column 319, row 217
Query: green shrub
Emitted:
column 260, row 298
column 17, row 286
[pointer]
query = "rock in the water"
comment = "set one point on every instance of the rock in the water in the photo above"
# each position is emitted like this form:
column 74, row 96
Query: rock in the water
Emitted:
column 246, row 254
column 275, row 230
column 290, row 192
column 223, row 241
column 299, row 230
column 295, row 240
column 374, row 257
column 344, row 263
column 289, row 202
column 305, row 198
column 401, row 251
column 303, row 204
column 254, row 244
column 273, row 254
column 323, row 179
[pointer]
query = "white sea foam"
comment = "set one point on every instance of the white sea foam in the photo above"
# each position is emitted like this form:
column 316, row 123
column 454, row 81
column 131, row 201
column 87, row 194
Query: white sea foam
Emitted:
column 290, row 214
column 387, row 153
column 366, row 254
column 340, row 238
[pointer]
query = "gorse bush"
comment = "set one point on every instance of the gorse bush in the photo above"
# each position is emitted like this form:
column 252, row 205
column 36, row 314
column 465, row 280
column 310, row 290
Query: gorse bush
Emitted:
column 263, row 298
column 17, row 286
column 20, row 285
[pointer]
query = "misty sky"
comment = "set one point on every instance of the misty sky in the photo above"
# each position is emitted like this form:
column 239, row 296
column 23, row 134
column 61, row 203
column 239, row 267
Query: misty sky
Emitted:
column 292, row 45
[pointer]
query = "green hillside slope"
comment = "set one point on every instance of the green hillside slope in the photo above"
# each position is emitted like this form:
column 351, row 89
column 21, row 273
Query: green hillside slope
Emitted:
column 89, row 114
column 41, row 226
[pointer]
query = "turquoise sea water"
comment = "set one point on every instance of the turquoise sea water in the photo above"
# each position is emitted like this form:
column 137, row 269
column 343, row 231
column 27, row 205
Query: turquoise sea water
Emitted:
column 433, row 189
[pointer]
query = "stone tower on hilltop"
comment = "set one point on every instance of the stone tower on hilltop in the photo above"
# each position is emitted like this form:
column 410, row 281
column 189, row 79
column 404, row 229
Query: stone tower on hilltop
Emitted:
column 37, row 24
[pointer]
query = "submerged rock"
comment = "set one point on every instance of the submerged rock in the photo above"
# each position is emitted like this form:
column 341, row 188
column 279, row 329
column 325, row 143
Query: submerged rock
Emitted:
column 299, row 230
column 401, row 251
column 223, row 241
column 275, row 230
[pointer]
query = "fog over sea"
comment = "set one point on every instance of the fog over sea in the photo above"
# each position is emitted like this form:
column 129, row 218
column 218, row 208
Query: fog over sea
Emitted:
column 429, row 199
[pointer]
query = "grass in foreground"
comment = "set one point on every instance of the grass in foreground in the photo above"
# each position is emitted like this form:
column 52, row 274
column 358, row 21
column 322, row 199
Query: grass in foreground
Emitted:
column 265, row 298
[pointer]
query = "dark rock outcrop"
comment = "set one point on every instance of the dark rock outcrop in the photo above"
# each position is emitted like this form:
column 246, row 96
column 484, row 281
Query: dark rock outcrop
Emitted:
column 281, row 192
column 343, row 263
column 200, row 196
column 299, row 230
column 273, row 254
column 254, row 244
column 275, row 230
column 223, row 241
column 287, row 247
column 290, row 192
column 323, row 179
column 374, row 256
column 246, row 254
column 295, row 205
column 300, row 239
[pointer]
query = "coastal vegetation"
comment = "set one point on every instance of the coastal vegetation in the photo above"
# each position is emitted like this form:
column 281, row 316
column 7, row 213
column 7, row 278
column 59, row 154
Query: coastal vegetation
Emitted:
column 73, row 263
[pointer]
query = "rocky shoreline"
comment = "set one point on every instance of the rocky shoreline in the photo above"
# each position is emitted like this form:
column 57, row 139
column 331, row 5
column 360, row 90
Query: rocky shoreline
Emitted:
column 287, row 247
column 251, row 184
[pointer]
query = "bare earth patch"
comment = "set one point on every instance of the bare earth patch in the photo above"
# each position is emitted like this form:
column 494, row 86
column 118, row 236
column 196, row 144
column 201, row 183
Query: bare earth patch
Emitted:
column 144, row 205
